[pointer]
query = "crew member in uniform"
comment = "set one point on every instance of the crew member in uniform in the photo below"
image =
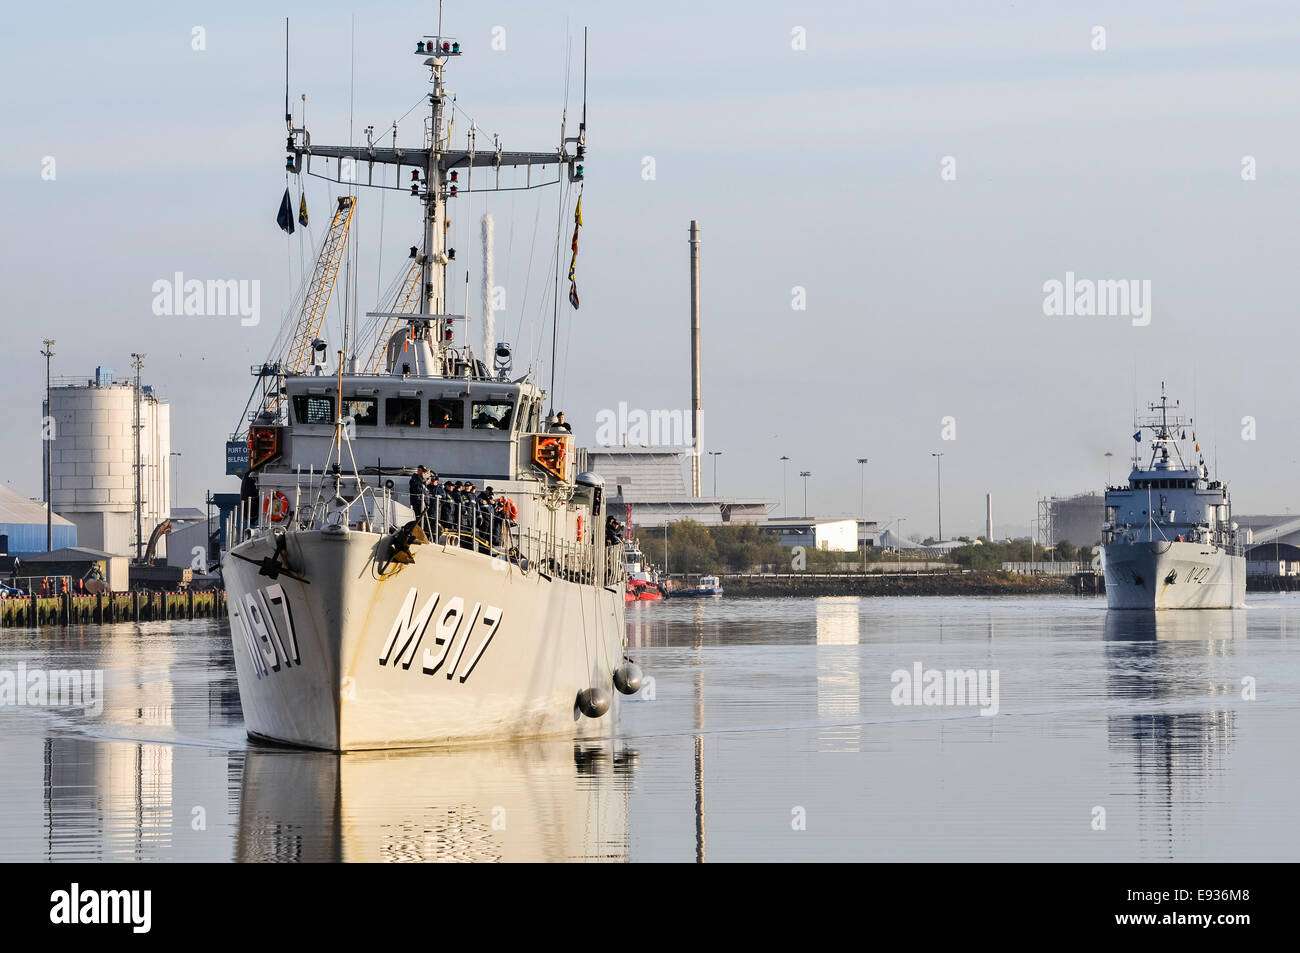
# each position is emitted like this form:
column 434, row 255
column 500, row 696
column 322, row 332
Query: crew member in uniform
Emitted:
column 435, row 497
column 419, row 492
column 486, row 515
column 248, row 497
column 613, row 531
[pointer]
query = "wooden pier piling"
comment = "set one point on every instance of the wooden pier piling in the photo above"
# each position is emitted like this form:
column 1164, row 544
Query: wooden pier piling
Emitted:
column 106, row 608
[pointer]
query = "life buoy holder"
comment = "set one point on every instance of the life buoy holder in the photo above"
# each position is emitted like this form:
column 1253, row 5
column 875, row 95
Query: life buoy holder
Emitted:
column 276, row 507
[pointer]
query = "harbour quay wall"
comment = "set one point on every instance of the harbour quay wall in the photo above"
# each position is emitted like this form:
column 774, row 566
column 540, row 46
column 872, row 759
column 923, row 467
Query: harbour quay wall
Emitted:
column 108, row 607
column 1265, row 583
column 927, row 583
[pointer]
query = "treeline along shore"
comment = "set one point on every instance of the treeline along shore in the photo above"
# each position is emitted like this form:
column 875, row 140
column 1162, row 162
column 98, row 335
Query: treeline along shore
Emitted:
column 930, row 583
column 752, row 563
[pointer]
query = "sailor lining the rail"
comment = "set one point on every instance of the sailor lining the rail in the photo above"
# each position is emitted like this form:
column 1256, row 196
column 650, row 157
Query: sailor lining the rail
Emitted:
column 419, row 492
column 248, row 497
column 613, row 531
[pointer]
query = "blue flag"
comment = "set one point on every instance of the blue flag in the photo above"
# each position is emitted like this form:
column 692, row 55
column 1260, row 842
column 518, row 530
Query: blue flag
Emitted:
column 1138, row 436
column 285, row 218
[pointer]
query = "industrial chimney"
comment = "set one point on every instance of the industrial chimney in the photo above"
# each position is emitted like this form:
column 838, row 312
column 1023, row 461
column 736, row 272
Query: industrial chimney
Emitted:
column 489, row 315
column 988, row 517
column 696, row 467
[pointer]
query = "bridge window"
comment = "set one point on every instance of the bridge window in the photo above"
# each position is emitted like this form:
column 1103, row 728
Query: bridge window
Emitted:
column 312, row 409
column 530, row 414
column 492, row 414
column 447, row 414
column 364, row 411
column 402, row 412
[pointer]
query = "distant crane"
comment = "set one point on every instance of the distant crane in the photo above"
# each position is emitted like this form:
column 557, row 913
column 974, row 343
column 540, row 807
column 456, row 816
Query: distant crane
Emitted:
column 296, row 356
column 407, row 301
column 317, row 299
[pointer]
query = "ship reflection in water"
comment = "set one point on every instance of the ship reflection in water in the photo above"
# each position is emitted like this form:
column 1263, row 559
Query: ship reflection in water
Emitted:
column 1181, row 670
column 766, row 731
column 540, row 801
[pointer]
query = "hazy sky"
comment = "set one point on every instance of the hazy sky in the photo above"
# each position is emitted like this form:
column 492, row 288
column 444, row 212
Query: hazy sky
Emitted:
column 817, row 169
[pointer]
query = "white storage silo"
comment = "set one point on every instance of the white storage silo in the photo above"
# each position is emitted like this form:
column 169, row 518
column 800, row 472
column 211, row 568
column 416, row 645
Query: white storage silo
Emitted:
column 93, row 463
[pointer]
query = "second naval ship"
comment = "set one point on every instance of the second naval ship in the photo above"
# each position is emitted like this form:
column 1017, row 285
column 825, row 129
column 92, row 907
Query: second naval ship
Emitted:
column 1169, row 541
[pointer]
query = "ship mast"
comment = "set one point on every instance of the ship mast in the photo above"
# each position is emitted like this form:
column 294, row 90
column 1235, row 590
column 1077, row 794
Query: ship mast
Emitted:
column 433, row 263
column 1163, row 434
column 440, row 165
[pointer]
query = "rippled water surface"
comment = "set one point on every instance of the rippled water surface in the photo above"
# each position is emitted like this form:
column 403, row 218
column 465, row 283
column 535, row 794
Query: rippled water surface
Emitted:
column 769, row 729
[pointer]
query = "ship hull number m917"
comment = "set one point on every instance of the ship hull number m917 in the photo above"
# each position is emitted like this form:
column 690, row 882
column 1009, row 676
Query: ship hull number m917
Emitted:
column 453, row 631
column 263, row 622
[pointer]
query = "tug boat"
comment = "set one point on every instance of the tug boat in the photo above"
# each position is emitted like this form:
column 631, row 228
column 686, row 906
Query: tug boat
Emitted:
column 709, row 586
column 1168, row 540
column 367, row 615
column 642, row 584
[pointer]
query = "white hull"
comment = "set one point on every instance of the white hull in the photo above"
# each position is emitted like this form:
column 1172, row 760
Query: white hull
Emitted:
column 348, row 661
column 1173, row 575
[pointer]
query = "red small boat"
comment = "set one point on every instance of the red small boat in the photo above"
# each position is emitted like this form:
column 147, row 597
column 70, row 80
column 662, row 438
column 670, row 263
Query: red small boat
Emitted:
column 640, row 590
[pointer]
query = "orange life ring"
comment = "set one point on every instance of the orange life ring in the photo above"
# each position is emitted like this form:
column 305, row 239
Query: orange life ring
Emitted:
column 512, row 511
column 276, row 506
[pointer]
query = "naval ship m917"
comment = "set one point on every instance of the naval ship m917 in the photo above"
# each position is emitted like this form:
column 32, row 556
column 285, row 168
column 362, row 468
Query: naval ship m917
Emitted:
column 1168, row 540
column 367, row 613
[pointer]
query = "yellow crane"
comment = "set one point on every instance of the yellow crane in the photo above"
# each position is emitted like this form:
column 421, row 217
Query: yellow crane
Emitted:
column 317, row 299
column 407, row 301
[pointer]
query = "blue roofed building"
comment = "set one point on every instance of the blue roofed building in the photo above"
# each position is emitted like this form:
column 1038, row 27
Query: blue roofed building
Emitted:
column 22, row 526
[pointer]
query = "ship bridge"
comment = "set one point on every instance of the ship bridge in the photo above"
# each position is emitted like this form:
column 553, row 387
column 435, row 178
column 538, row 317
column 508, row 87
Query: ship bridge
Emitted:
column 1170, row 503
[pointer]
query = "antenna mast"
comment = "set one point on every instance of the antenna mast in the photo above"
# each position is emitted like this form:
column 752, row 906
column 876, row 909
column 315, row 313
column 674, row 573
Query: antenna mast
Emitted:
column 439, row 165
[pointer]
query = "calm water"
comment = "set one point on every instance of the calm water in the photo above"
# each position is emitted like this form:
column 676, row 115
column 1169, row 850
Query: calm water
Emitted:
column 771, row 734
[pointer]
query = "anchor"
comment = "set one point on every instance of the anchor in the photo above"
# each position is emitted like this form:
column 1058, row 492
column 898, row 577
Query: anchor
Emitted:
column 275, row 564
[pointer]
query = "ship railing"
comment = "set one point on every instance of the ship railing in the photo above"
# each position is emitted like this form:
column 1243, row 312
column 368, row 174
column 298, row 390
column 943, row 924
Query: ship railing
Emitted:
column 1229, row 542
column 360, row 506
column 468, row 524
column 482, row 528
column 615, row 567
column 558, row 557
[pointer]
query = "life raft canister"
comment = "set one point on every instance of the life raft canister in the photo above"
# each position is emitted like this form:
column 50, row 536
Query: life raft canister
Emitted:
column 276, row 506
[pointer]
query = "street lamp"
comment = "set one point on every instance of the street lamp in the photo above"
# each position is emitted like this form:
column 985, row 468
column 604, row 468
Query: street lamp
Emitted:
column 805, row 474
column 46, row 437
column 938, row 463
column 862, row 504
column 1108, row 458
column 862, row 508
column 898, row 538
column 715, row 454
column 785, row 511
